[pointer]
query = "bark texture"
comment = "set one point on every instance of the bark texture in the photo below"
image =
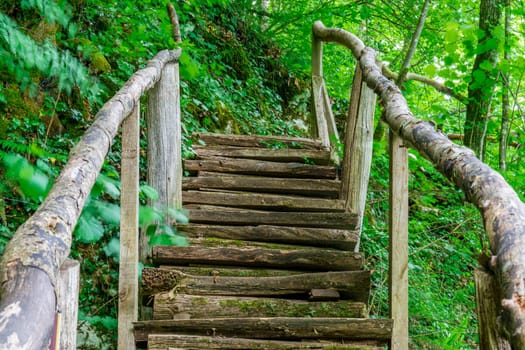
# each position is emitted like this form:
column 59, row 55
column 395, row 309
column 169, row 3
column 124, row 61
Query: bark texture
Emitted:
column 482, row 84
column 32, row 259
column 502, row 211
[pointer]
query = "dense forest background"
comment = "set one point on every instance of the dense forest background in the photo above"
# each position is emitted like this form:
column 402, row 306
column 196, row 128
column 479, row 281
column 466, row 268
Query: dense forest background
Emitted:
column 246, row 69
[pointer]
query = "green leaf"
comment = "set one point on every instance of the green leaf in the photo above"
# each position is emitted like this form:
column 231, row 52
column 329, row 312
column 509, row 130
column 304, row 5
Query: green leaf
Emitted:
column 108, row 185
column 109, row 213
column 430, row 71
column 181, row 216
column 161, row 239
column 89, row 229
column 486, row 65
column 112, row 249
column 148, row 215
column 149, row 192
column 35, row 186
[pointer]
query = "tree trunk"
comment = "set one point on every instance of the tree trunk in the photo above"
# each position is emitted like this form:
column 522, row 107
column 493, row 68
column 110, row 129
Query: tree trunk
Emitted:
column 504, row 134
column 483, row 77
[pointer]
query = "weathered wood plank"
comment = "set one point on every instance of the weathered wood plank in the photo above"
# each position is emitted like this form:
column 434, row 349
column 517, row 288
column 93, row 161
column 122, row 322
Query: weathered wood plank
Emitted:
column 273, row 328
column 129, row 231
column 358, row 146
column 257, row 141
column 350, row 284
column 231, row 271
column 193, row 342
column 488, row 310
column 164, row 136
column 304, row 259
column 311, row 187
column 307, row 236
column 319, row 157
column 262, row 201
column 68, row 287
column 235, row 216
column 260, row 167
column 169, row 306
column 398, row 247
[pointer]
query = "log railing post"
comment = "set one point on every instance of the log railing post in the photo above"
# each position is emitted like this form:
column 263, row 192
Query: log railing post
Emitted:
column 68, row 287
column 358, row 147
column 398, row 249
column 129, row 231
column 318, row 126
column 164, row 143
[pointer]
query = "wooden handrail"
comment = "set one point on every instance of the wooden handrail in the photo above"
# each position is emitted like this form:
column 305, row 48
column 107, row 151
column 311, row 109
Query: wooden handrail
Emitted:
column 31, row 261
column 501, row 209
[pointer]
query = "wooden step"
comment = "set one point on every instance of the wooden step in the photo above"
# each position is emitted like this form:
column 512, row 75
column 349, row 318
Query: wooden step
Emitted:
column 307, row 187
column 231, row 271
column 282, row 328
column 352, row 285
column 195, row 342
column 169, row 306
column 313, row 259
column 260, row 168
column 318, row 157
column 207, row 214
column 263, row 201
column 306, row 236
column 262, row 141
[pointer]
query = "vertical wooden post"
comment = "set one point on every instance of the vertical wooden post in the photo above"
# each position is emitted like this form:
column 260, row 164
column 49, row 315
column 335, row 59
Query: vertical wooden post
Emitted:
column 324, row 124
column 129, row 231
column 398, row 249
column 317, row 74
column 488, row 307
column 164, row 142
column 358, row 147
column 68, row 288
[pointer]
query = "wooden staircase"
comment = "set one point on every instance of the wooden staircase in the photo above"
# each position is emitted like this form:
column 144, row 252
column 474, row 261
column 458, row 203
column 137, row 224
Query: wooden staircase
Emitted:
column 271, row 261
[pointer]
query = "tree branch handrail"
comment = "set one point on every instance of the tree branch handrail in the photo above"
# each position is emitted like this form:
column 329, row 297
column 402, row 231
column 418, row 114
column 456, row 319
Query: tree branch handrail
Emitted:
column 502, row 211
column 31, row 261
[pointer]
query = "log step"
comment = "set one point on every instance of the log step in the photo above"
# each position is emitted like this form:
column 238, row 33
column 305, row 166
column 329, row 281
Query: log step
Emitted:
column 305, row 156
column 194, row 342
column 282, row 328
column 260, row 168
column 204, row 214
column 261, row 141
column 169, row 306
column 307, row 187
column 306, row 236
column 230, row 271
column 353, row 285
column 313, row 259
column 262, row 201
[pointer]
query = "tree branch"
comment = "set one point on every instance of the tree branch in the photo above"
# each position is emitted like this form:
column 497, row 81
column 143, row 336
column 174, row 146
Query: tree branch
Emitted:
column 425, row 80
column 413, row 45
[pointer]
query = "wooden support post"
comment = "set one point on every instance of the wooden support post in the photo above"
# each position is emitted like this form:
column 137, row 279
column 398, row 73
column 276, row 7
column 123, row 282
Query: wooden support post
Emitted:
column 129, row 231
column 164, row 143
column 398, row 249
column 319, row 112
column 68, row 286
column 488, row 307
column 358, row 147
column 316, row 130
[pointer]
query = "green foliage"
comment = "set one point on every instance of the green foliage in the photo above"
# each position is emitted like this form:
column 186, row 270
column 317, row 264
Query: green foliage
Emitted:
column 444, row 242
column 20, row 56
